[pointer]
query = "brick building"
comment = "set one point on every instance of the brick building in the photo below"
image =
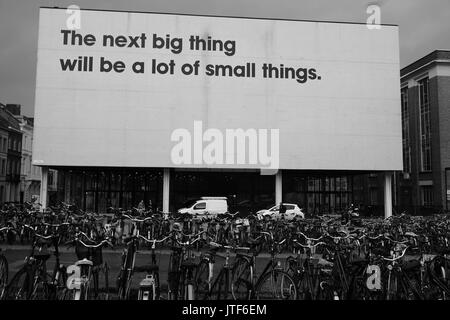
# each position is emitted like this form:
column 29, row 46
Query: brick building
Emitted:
column 423, row 187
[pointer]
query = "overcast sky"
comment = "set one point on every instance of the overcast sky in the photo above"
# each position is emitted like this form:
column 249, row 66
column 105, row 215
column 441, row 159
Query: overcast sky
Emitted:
column 424, row 27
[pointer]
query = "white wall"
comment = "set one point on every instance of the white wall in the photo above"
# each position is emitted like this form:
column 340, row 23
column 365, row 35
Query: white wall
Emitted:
column 350, row 119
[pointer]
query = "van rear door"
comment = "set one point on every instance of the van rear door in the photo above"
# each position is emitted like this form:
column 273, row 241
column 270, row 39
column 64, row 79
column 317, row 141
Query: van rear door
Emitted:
column 216, row 206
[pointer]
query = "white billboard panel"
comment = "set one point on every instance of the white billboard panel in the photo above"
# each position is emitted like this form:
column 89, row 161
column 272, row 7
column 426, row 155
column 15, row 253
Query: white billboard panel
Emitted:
column 121, row 89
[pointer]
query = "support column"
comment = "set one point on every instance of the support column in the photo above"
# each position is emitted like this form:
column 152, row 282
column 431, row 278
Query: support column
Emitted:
column 67, row 191
column 387, row 194
column 44, row 185
column 278, row 187
column 166, row 190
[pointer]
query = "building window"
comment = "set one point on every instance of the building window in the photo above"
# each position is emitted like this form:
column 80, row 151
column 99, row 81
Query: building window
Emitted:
column 425, row 125
column 427, row 196
column 405, row 131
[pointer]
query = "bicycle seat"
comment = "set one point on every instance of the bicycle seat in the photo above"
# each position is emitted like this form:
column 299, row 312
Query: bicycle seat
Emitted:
column 149, row 268
column 84, row 262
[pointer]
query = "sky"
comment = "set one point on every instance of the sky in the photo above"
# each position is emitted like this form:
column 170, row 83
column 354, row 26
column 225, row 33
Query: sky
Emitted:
column 424, row 27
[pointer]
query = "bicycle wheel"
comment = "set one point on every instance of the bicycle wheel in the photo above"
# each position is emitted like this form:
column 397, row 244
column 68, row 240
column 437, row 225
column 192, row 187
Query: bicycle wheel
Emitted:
column 20, row 286
column 221, row 288
column 40, row 288
column 99, row 284
column 201, row 280
column 276, row 285
column 61, row 290
column 122, row 280
column 304, row 292
column 102, row 286
column 3, row 274
column 241, row 282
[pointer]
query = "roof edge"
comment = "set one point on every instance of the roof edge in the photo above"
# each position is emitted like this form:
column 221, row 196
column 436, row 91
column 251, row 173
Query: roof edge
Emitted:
column 220, row 16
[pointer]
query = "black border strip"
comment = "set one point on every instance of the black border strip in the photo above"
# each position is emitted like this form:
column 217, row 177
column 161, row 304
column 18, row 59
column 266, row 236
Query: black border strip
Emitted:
column 217, row 16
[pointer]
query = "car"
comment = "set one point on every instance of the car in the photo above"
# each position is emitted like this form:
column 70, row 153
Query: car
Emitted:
column 205, row 206
column 292, row 211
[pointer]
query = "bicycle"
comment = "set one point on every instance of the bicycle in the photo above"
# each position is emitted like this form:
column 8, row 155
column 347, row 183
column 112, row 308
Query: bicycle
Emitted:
column 3, row 267
column 182, row 265
column 220, row 288
column 273, row 283
column 32, row 281
column 311, row 275
column 149, row 287
column 83, row 282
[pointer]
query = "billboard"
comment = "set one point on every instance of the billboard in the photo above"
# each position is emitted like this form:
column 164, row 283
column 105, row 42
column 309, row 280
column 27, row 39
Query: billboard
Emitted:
column 129, row 89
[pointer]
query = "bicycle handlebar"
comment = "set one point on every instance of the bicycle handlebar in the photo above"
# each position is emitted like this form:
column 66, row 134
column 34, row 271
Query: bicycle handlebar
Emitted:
column 85, row 235
column 339, row 238
column 395, row 259
column 136, row 219
column 56, row 225
column 154, row 241
column 187, row 243
column 308, row 238
column 215, row 244
column 310, row 246
column 95, row 245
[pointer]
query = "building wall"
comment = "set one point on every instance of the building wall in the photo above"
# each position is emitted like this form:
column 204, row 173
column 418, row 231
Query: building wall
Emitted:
column 444, row 125
column 13, row 153
column 439, row 99
column 13, row 167
column 3, row 163
column 435, row 143
column 30, row 175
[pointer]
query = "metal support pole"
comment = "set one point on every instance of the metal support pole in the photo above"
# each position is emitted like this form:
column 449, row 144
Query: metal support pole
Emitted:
column 44, row 187
column 387, row 194
column 278, row 187
column 166, row 190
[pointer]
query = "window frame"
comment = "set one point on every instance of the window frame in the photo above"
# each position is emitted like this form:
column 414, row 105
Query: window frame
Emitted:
column 425, row 121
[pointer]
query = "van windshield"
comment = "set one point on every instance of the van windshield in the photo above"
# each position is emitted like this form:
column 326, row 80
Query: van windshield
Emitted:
column 189, row 203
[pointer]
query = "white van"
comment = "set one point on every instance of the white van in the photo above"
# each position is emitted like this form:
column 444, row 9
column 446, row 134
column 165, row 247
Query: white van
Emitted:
column 205, row 205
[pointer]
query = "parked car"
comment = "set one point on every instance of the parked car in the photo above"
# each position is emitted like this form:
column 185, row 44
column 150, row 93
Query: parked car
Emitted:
column 291, row 211
column 205, row 206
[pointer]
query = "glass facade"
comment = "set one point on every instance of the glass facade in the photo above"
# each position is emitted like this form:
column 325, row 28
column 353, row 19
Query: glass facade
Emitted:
column 95, row 190
column 247, row 189
column 318, row 193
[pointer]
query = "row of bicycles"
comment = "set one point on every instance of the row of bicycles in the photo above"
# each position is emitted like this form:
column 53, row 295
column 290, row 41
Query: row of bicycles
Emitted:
column 225, row 257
